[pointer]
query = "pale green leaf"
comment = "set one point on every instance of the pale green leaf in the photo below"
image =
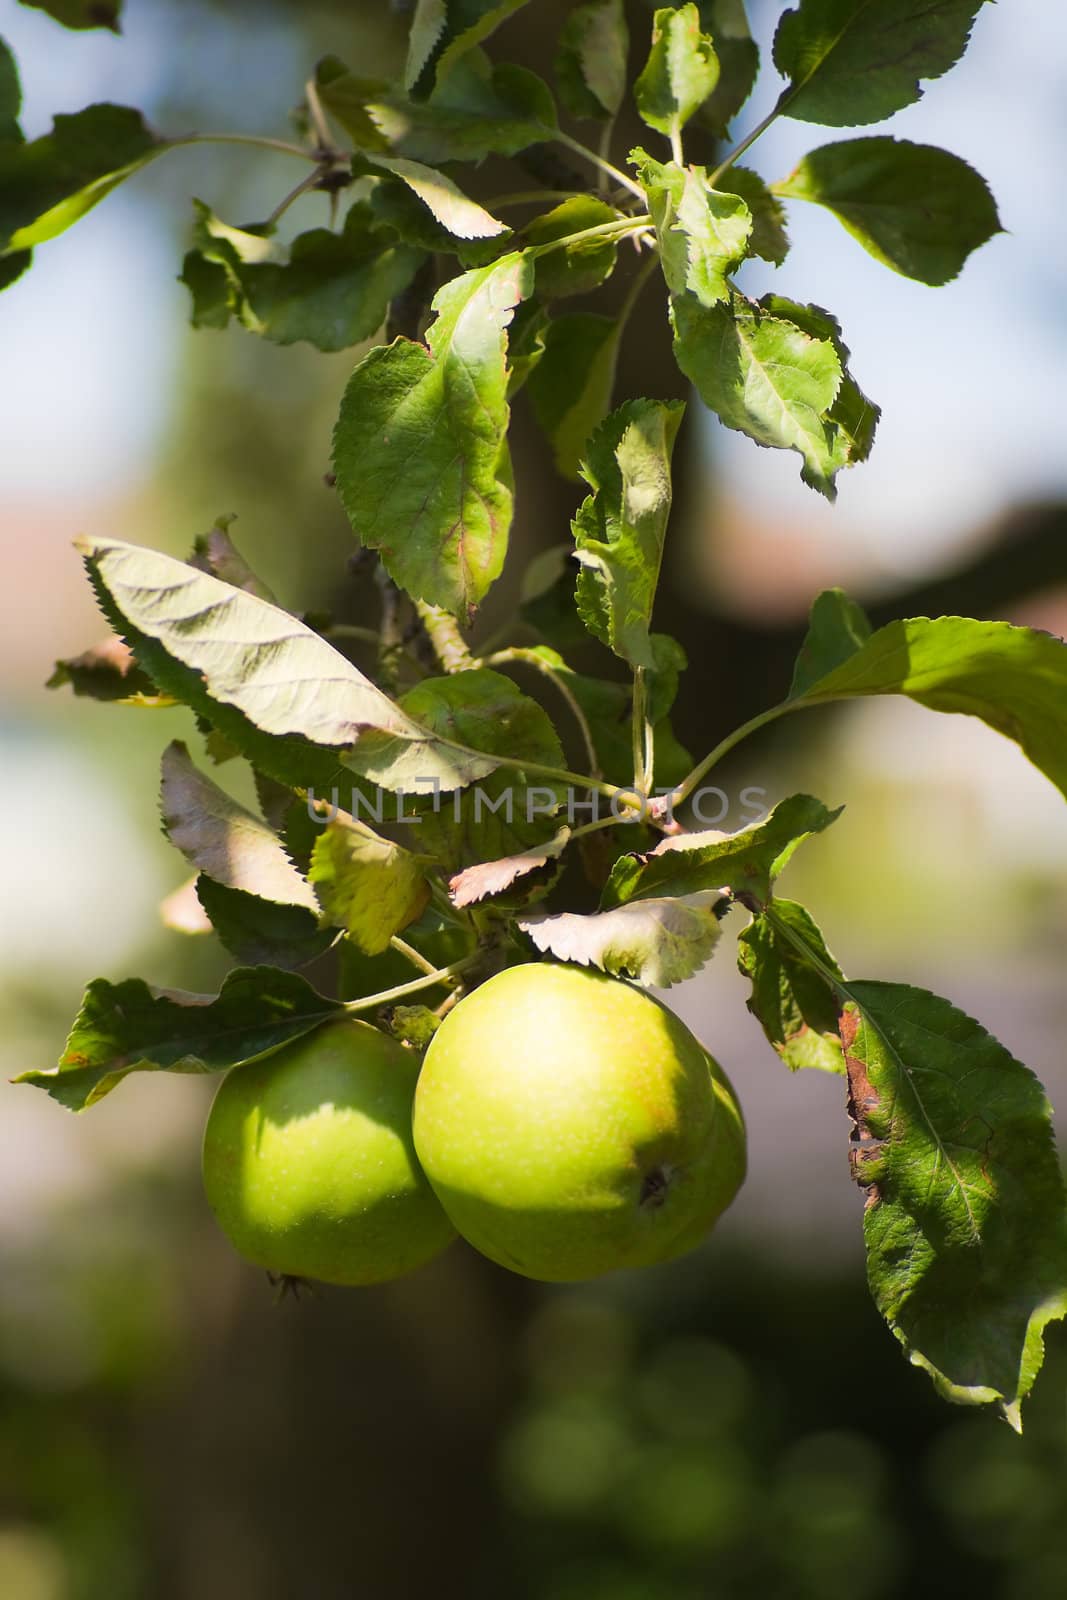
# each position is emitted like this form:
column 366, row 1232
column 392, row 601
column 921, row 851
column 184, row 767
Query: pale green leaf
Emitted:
column 572, row 385
column 764, row 376
column 913, row 207
column 620, row 528
column 656, row 942
column 857, row 61
column 48, row 184
column 591, row 59
column 964, row 1218
column 794, row 1004
column 219, row 836
column 427, row 27
column 371, row 887
column 130, row 1027
column 703, row 233
column 744, row 863
column 1014, row 679
column 443, row 43
column 420, row 447
column 680, row 74
column 457, row 214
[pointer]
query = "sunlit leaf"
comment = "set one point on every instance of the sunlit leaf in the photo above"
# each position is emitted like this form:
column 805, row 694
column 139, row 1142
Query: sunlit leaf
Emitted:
column 681, row 72
column 794, row 1004
column 913, row 207
column 370, row 886
column 576, row 268
column 657, row 942
column 703, row 233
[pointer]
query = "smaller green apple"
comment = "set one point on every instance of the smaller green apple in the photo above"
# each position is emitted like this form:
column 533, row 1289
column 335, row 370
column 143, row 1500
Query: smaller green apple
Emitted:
column 309, row 1164
column 571, row 1125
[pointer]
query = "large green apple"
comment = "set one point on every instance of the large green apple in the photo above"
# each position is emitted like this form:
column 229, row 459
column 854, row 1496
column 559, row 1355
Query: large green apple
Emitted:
column 571, row 1125
column 309, row 1165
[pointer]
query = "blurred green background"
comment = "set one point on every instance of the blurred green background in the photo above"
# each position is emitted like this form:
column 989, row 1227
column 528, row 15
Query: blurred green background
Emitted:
column 740, row 1422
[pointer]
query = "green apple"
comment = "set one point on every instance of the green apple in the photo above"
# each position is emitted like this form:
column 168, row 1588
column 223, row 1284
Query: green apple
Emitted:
column 309, row 1164
column 571, row 1125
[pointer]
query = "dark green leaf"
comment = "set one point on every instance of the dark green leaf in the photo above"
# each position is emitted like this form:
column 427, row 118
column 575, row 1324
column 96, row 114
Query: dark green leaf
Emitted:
column 913, row 207
column 794, row 1004
column 108, row 671
column 224, row 839
column 467, row 721
column 129, row 1027
column 81, row 13
column 259, row 932
column 479, row 110
column 661, row 684
column 591, row 59
column 420, row 448
column 444, row 31
column 370, row 886
column 332, row 291
column 619, row 530
column 764, row 376
column 703, row 233
column 964, row 1217
column 726, row 24
column 838, row 627
column 45, row 186
column 10, row 97
column 579, row 267
column 572, row 386
column 526, row 344
column 681, row 72
column 745, row 863
column 769, row 239
column 1014, row 679
column 858, row 61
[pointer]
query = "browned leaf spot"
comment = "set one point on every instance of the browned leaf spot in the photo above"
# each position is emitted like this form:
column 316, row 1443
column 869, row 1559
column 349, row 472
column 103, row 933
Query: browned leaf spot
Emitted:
column 864, row 1146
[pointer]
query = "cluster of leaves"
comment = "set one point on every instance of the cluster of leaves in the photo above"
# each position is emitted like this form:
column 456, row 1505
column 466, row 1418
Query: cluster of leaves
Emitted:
column 449, row 819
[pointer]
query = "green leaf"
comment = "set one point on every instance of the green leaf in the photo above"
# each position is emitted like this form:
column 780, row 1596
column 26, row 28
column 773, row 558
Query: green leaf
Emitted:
column 332, row 291
column 259, row 932
column 367, row 885
column 794, row 1004
column 681, row 72
column 764, row 376
column 443, row 33
column 467, row 722
column 858, row 61
column 395, row 206
column 702, row 233
column 1014, row 679
column 964, row 1218
column 249, row 667
column 420, row 447
column 769, row 239
column 591, row 59
column 572, row 385
column 526, row 344
column 837, row 628
column 10, row 97
column 130, row 1027
column 108, row 671
column 620, row 528
column 656, row 942
column 744, row 863
column 479, row 110
column 224, row 839
column 47, row 185
column 576, row 268
column 81, row 13
column 725, row 22
column 913, row 207
column 444, row 199
column 852, row 420
column 661, row 684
